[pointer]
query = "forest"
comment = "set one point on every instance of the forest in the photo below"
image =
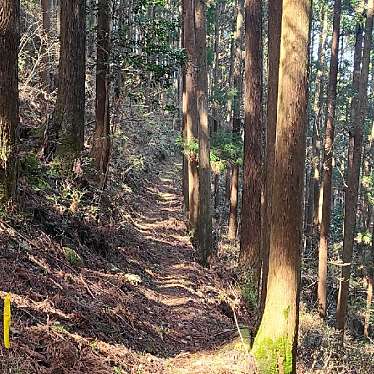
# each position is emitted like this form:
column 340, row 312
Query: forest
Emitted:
column 186, row 186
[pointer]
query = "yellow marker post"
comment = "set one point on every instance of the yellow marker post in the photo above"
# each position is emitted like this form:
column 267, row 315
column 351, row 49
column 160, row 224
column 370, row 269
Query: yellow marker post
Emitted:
column 7, row 321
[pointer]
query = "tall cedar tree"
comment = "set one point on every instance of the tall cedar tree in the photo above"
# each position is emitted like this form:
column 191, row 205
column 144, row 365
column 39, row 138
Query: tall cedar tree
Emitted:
column 237, row 85
column 9, row 101
column 326, row 187
column 215, row 88
column 101, row 138
column 357, row 60
column 274, row 32
column 184, row 128
column 312, row 219
column 359, row 111
column 370, row 286
column 250, row 244
column 205, row 217
column 191, row 112
column 65, row 130
column 275, row 343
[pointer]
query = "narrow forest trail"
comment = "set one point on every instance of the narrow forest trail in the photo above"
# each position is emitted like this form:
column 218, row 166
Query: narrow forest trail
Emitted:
column 126, row 296
column 193, row 320
column 186, row 294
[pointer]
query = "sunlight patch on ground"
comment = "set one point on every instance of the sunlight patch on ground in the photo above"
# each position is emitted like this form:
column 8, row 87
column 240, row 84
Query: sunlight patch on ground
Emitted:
column 231, row 358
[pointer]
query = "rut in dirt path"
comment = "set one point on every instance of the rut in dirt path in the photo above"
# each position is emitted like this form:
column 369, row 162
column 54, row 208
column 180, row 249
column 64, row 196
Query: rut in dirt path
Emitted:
column 187, row 310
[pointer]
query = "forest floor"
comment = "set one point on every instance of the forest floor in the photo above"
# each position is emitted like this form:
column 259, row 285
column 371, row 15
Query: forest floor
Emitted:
column 121, row 294
column 151, row 296
column 108, row 282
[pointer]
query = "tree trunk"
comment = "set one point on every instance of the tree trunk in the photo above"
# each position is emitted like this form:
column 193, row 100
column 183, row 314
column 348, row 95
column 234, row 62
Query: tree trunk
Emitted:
column 101, row 139
column 205, row 217
column 9, row 101
column 274, row 32
column 46, row 15
column 327, row 163
column 65, row 130
column 237, row 80
column 275, row 343
column 191, row 113
column 370, row 282
column 250, row 245
column 214, row 90
column 184, row 128
column 359, row 110
column 312, row 220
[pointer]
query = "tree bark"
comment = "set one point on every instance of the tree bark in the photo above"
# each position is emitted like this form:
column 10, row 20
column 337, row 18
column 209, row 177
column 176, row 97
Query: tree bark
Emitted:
column 274, row 32
column 101, row 139
column 191, row 113
column 370, row 285
column 275, row 343
column 46, row 16
column 205, row 217
column 237, row 85
column 327, row 164
column 312, row 220
column 65, row 130
column 9, row 100
column 359, row 110
column 250, row 245
column 184, row 124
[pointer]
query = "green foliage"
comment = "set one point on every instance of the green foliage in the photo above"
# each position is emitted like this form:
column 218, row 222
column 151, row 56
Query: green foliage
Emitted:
column 337, row 222
column 363, row 238
column 189, row 146
column 117, row 370
column 227, row 147
column 60, row 328
column 72, row 256
column 33, row 171
column 148, row 58
column 248, row 291
column 368, row 185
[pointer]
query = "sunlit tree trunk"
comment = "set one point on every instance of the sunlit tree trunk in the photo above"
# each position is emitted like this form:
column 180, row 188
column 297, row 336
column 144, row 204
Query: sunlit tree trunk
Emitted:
column 101, row 139
column 250, row 244
column 191, row 112
column 205, row 217
column 327, row 163
column 370, row 285
column 359, row 110
column 312, row 220
column 274, row 32
column 65, row 130
column 184, row 124
column 237, row 85
column 9, row 101
column 215, row 88
column 275, row 343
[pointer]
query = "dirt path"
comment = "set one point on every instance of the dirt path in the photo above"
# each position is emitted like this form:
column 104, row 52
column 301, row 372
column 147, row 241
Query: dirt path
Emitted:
column 195, row 324
column 135, row 302
column 188, row 314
